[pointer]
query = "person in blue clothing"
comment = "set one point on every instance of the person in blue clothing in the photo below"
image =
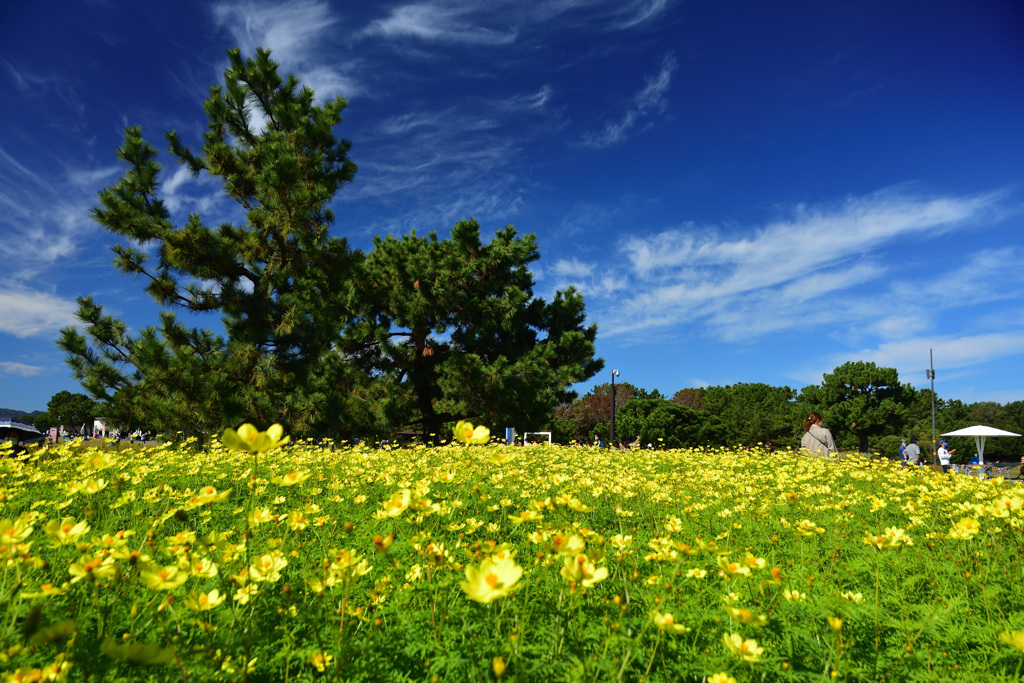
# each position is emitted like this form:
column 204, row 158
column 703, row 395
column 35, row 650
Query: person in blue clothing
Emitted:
column 903, row 447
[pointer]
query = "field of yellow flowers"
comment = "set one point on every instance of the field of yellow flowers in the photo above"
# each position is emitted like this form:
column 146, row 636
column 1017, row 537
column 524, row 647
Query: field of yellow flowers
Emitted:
column 252, row 559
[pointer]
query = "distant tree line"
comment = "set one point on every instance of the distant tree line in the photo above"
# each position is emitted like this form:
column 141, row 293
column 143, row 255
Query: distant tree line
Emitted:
column 865, row 406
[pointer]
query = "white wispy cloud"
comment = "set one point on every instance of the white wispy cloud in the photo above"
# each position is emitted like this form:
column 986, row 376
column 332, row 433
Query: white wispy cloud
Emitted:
column 44, row 218
column 20, row 169
column 447, row 22
column 818, row 268
column 20, row 369
column 955, row 355
column 650, row 100
column 573, row 268
column 954, row 351
column 504, row 22
column 296, row 32
column 855, row 226
column 31, row 313
column 641, row 12
column 536, row 100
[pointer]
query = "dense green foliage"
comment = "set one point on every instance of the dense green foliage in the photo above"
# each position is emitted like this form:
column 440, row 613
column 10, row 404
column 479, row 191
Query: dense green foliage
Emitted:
column 755, row 413
column 861, row 399
column 650, row 421
column 68, row 410
column 450, row 328
column 318, row 336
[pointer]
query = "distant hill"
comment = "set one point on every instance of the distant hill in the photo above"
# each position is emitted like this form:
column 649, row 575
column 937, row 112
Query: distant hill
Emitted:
column 11, row 412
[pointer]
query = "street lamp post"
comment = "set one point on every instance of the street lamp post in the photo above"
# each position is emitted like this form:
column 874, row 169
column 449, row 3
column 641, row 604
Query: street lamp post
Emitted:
column 931, row 376
column 611, row 431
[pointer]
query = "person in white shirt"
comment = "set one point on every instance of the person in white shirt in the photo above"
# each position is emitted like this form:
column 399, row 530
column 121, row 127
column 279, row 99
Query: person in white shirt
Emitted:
column 944, row 456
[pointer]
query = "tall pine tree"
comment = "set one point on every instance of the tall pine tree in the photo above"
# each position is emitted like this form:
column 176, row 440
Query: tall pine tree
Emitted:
column 277, row 279
column 451, row 329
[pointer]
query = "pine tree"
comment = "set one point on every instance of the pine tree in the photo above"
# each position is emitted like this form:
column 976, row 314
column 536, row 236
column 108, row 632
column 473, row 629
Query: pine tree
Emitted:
column 450, row 329
column 276, row 278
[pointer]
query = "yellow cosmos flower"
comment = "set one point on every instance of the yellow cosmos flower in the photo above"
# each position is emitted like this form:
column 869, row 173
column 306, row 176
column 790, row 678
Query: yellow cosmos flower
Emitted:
column 97, row 461
column 204, row 569
column 807, row 528
column 66, row 531
column 711, row 547
column 160, row 578
column 398, row 503
column 526, row 516
column 466, row 433
column 966, row 529
column 581, row 571
column 257, row 517
column 268, row 567
column 667, row 623
column 577, row 505
column 14, row 531
column 1006, row 505
column 114, row 541
column 252, row 440
column 541, row 505
column 92, row 567
column 754, row 562
column 200, row 602
column 852, row 597
column 208, row 494
column 498, row 666
column 88, row 487
column 297, row 521
column 320, row 661
column 730, row 570
column 745, row 616
column 346, row 567
column 48, row 590
column 747, row 650
column 246, row 593
column 685, row 548
column 1013, row 639
column 673, row 524
column 290, row 479
column 721, row 678
column 57, row 671
column 696, row 573
column 494, row 578
column 567, row 545
column 794, row 596
column 836, row 623
column 892, row 538
column 621, row 542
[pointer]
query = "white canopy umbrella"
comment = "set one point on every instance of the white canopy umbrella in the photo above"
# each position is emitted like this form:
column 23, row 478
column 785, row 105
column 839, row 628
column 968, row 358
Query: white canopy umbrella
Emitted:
column 980, row 432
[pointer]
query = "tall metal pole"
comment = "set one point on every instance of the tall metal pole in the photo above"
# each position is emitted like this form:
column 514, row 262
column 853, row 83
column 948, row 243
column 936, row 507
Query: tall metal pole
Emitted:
column 931, row 374
column 611, row 430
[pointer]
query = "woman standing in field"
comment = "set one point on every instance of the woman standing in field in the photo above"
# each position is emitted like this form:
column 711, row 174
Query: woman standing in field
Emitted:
column 817, row 439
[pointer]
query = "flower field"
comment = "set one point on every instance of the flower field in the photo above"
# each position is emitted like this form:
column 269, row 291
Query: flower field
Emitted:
column 481, row 562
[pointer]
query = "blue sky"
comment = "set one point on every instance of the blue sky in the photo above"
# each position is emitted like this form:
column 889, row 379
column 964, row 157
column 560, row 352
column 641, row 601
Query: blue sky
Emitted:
column 744, row 191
